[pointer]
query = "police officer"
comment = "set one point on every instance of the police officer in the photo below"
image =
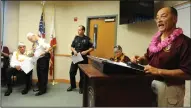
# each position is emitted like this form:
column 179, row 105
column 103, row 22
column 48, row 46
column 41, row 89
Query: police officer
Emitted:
column 43, row 48
column 81, row 44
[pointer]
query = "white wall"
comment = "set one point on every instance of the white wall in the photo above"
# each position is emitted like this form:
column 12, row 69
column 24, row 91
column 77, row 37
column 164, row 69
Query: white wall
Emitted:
column 184, row 18
column 11, row 24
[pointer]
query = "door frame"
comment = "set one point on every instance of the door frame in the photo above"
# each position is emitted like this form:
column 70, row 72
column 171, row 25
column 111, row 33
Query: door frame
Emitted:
column 102, row 16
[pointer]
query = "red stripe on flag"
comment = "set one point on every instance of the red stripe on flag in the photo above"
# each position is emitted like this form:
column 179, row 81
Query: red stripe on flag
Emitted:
column 51, row 63
column 53, row 42
column 43, row 35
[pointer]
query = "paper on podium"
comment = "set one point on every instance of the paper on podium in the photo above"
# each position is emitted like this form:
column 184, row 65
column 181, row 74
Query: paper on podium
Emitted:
column 76, row 59
column 121, row 64
column 27, row 65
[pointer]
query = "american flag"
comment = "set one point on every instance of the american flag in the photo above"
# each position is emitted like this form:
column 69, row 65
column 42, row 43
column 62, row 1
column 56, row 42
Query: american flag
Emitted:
column 42, row 26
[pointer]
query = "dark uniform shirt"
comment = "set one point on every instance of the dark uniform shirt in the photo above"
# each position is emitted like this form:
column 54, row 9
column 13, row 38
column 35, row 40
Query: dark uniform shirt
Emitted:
column 177, row 55
column 81, row 43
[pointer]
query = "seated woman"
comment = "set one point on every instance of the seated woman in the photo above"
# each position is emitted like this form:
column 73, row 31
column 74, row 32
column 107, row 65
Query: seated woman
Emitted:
column 119, row 55
column 4, row 63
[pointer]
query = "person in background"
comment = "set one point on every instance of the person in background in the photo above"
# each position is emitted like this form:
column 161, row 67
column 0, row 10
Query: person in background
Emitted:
column 169, row 59
column 43, row 48
column 15, row 68
column 81, row 44
column 119, row 55
column 4, row 63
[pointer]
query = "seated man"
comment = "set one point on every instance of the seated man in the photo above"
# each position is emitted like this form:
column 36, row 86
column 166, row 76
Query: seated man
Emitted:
column 15, row 63
column 4, row 63
column 119, row 55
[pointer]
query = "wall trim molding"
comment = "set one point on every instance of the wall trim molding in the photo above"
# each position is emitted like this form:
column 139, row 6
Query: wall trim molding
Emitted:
column 63, row 55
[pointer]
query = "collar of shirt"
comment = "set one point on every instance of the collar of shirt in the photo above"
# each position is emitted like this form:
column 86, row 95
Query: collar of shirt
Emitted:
column 37, row 42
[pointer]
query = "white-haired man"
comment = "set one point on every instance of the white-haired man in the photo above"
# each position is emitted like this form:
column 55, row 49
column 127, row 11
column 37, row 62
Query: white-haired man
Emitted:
column 42, row 48
column 16, row 60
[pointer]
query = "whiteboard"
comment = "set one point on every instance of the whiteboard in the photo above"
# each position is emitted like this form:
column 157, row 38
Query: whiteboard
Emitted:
column 184, row 18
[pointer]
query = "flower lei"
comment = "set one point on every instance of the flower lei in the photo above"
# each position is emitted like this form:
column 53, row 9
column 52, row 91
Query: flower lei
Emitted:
column 156, row 45
column 121, row 58
column 17, row 56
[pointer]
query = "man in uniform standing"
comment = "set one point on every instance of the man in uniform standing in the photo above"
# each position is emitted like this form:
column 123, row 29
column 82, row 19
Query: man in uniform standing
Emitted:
column 81, row 44
column 43, row 49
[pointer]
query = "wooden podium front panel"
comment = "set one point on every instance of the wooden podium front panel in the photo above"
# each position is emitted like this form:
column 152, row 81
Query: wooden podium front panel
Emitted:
column 115, row 91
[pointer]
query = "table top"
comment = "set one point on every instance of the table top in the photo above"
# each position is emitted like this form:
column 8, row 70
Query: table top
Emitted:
column 90, row 71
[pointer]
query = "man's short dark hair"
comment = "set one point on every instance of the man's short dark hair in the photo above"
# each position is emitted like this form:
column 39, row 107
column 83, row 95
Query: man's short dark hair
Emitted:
column 173, row 11
column 83, row 28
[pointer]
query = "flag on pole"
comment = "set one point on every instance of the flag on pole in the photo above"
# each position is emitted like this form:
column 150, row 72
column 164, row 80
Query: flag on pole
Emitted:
column 42, row 25
column 53, row 45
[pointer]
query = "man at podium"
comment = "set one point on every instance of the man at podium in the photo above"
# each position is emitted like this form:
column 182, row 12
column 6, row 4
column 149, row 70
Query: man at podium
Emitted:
column 83, row 45
column 169, row 58
column 119, row 55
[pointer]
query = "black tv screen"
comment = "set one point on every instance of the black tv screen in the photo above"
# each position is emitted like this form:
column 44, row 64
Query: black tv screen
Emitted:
column 132, row 11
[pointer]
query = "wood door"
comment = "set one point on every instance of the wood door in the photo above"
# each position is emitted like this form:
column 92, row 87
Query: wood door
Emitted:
column 103, row 35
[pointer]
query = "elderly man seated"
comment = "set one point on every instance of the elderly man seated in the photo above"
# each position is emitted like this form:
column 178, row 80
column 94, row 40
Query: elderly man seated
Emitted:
column 119, row 55
column 15, row 67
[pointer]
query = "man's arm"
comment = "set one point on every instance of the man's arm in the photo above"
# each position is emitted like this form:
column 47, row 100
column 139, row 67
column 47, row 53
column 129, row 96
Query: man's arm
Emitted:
column 89, row 50
column 47, row 47
column 13, row 62
column 74, row 51
column 137, row 59
column 174, row 73
column 86, row 51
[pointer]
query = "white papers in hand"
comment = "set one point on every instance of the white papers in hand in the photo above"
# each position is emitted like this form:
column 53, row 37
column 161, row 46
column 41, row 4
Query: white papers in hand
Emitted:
column 76, row 59
column 36, row 56
column 27, row 65
column 37, row 53
column 1, row 64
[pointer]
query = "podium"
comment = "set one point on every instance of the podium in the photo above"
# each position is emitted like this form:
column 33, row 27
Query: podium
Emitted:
column 115, row 90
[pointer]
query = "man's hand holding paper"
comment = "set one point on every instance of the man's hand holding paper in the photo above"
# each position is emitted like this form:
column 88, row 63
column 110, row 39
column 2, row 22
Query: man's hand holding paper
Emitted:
column 78, row 58
column 27, row 65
